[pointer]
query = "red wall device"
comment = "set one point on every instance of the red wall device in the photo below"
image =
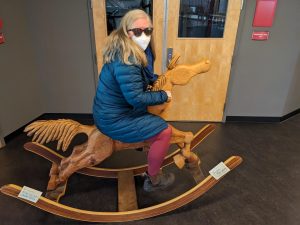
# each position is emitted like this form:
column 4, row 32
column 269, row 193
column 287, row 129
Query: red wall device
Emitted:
column 1, row 38
column 1, row 34
column 260, row 35
column 264, row 13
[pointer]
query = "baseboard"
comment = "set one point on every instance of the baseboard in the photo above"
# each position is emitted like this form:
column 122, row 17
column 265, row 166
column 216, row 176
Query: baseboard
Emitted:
column 87, row 117
column 252, row 119
column 289, row 115
column 19, row 131
column 74, row 116
column 261, row 119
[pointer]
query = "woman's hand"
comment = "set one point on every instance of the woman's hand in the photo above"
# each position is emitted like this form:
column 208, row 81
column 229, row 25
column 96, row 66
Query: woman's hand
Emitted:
column 169, row 96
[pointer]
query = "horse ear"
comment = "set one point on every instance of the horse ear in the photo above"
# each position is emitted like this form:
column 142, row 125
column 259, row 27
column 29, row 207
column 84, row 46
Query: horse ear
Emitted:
column 173, row 61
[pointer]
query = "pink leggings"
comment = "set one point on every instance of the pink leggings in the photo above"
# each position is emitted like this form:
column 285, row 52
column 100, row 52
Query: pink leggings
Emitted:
column 158, row 149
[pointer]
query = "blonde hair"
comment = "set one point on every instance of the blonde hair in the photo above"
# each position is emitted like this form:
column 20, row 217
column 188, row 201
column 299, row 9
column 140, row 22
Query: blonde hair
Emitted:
column 118, row 43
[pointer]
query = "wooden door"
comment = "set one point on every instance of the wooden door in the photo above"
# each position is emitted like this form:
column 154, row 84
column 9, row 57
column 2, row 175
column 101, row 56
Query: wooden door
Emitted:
column 202, row 99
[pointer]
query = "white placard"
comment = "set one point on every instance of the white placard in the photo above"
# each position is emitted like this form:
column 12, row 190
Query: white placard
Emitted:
column 30, row 194
column 219, row 170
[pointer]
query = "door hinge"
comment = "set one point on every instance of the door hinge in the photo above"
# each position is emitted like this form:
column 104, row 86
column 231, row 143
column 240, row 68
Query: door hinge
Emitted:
column 224, row 107
column 91, row 4
column 242, row 4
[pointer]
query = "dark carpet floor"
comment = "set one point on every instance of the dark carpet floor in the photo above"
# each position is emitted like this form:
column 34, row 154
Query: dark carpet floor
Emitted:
column 263, row 190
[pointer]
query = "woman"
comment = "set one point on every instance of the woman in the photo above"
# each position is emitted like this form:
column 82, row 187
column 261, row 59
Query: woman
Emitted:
column 120, row 104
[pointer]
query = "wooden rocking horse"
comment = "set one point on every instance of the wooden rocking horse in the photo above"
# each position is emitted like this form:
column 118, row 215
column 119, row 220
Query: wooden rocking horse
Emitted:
column 98, row 147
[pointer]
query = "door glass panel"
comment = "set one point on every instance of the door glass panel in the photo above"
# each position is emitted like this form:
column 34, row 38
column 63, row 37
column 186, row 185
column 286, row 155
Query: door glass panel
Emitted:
column 115, row 10
column 202, row 18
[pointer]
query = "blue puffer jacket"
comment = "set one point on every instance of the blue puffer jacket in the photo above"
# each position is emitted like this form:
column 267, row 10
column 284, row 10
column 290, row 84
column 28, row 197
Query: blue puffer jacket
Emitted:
column 120, row 104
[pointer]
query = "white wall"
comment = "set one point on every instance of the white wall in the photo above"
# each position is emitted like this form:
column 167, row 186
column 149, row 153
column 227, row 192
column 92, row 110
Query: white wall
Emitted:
column 46, row 64
column 19, row 84
column 62, row 47
column 293, row 98
column 264, row 78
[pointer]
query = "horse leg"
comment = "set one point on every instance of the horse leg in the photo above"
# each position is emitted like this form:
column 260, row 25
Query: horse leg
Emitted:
column 187, row 158
column 54, row 172
column 193, row 166
column 77, row 150
column 98, row 148
column 183, row 140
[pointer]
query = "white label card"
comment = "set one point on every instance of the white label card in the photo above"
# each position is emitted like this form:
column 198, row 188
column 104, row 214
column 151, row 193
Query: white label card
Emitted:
column 30, row 194
column 219, row 170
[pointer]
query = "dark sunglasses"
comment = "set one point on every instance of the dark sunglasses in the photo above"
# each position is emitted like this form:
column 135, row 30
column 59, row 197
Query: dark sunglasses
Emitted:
column 138, row 31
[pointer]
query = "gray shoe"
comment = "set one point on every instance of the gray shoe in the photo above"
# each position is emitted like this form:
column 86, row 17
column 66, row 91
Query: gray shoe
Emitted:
column 159, row 182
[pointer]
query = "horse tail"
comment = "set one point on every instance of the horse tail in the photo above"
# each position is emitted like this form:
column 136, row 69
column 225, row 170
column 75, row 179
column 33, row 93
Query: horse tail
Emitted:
column 61, row 130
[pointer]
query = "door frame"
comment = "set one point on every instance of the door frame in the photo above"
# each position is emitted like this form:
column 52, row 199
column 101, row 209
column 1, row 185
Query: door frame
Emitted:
column 234, row 55
column 94, row 56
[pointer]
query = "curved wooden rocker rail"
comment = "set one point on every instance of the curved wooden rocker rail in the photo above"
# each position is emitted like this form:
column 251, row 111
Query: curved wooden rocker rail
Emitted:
column 91, row 216
column 54, row 157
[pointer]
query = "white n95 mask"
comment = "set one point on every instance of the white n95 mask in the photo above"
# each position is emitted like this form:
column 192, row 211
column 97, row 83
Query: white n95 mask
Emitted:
column 142, row 41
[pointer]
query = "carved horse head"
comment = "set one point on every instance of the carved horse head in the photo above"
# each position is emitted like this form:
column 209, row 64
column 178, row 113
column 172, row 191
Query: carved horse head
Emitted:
column 177, row 75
